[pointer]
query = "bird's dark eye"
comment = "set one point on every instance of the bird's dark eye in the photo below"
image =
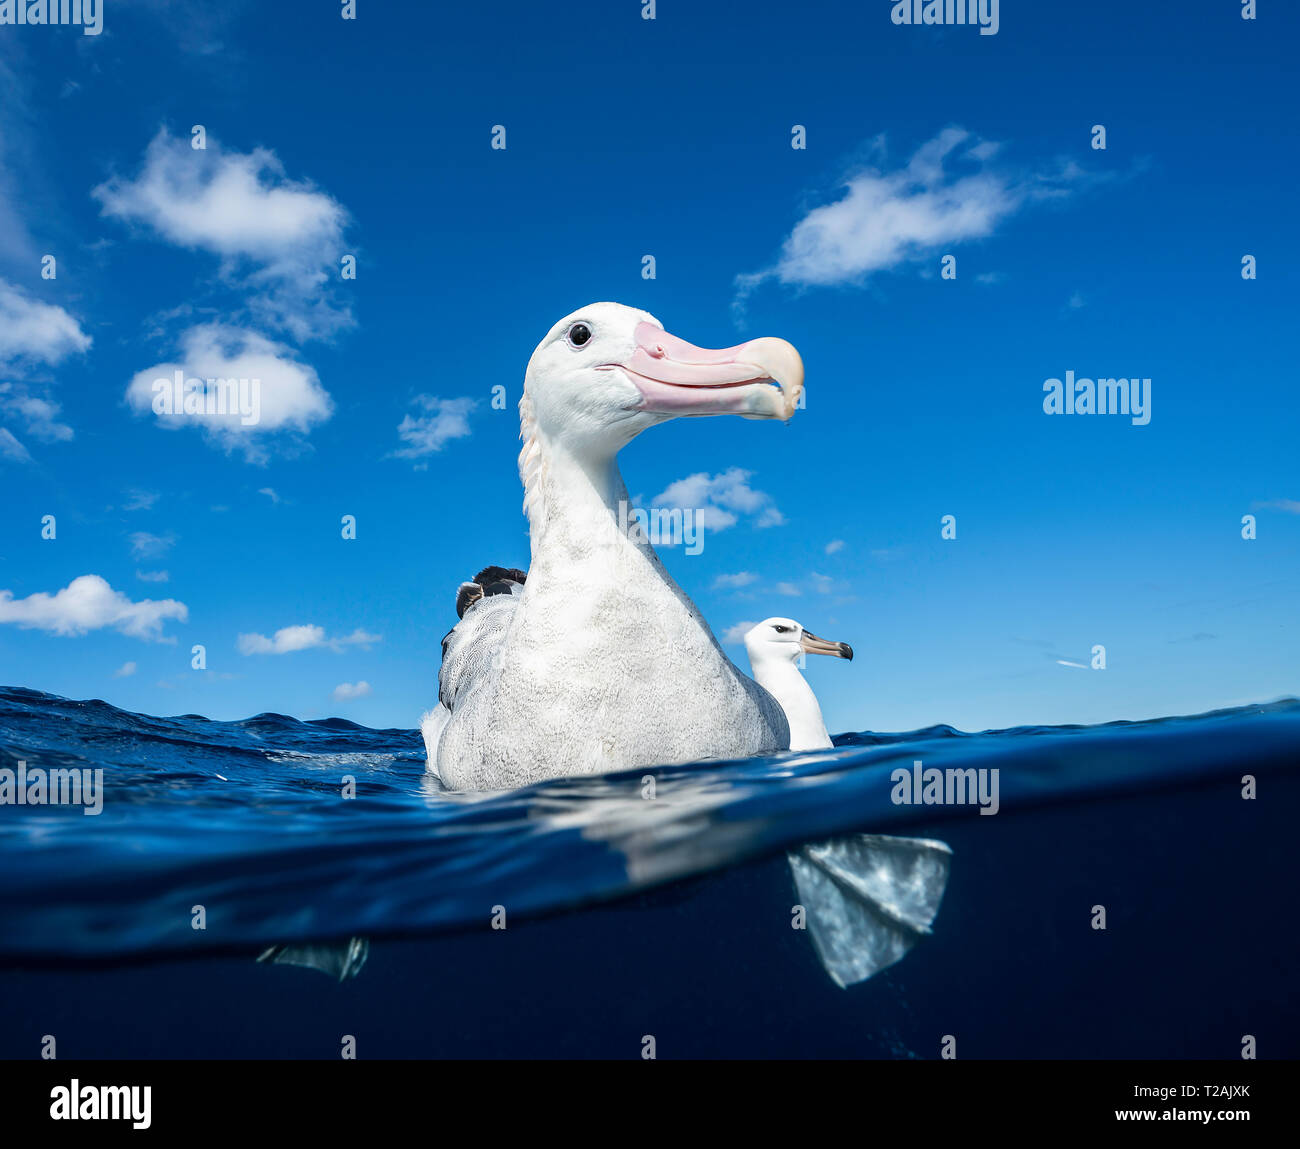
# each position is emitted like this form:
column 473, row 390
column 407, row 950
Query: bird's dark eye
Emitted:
column 781, row 629
column 579, row 333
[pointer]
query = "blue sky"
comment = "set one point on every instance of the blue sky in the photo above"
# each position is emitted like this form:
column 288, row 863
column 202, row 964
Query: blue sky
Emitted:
column 670, row 137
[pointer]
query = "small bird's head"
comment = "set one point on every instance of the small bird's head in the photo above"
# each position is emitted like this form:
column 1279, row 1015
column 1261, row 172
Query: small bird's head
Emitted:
column 783, row 639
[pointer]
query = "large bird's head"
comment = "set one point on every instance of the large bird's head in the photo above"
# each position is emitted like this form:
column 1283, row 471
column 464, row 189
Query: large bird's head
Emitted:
column 607, row 372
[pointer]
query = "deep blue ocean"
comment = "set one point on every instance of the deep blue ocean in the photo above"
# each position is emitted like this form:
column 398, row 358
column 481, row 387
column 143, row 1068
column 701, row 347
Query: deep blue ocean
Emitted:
column 626, row 917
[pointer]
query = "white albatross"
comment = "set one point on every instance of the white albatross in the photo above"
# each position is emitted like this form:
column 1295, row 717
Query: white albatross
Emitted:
column 775, row 647
column 869, row 897
column 598, row 661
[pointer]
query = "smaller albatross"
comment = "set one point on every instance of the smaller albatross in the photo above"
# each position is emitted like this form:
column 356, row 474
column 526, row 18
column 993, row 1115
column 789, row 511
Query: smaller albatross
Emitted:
column 775, row 647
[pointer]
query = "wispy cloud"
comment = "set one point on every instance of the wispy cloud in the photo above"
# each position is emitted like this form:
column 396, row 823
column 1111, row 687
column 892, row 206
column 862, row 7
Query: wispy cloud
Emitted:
column 888, row 554
column 148, row 546
column 720, row 500
column 33, row 333
column 90, row 603
column 40, row 417
column 125, row 670
column 279, row 239
column 32, row 330
column 289, row 639
column 736, row 633
column 152, row 576
column 834, row 546
column 445, row 420
column 952, row 190
column 734, row 581
column 138, row 500
column 1290, row 506
column 345, row 691
column 12, row 449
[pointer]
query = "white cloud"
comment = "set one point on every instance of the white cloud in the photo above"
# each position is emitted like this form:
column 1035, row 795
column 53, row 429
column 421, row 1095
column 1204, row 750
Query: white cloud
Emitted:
column 282, row 238
column 288, row 397
column 33, row 330
column 719, row 500
column 288, row 639
column 348, row 690
column 125, row 670
column 834, row 546
column 147, row 546
column 734, row 634
column 822, row 584
column 11, row 448
column 885, row 218
column 89, row 603
column 426, row 434
column 138, row 500
column 711, row 518
column 1290, row 506
column 152, row 576
column 270, row 493
column 734, row 581
column 40, row 417
column 788, row 588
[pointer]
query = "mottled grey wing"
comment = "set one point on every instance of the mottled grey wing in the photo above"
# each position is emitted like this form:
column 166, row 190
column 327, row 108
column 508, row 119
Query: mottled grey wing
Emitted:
column 340, row 960
column 869, row 899
column 470, row 652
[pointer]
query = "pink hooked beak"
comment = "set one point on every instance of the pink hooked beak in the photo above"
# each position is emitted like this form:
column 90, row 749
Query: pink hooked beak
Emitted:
column 761, row 379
